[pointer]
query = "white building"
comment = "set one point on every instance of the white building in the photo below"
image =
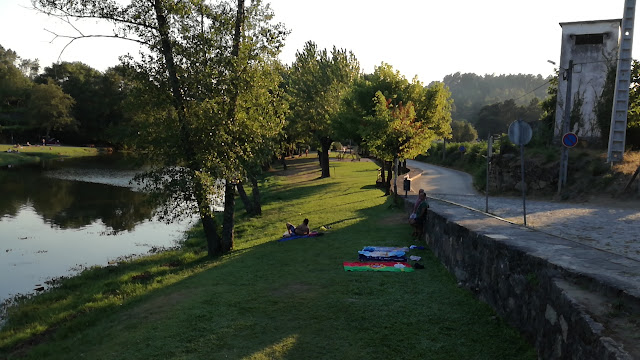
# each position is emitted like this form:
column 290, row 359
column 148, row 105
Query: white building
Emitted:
column 593, row 47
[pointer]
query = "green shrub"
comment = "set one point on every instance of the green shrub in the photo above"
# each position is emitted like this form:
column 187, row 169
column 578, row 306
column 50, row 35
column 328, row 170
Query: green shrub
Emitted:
column 480, row 178
column 597, row 167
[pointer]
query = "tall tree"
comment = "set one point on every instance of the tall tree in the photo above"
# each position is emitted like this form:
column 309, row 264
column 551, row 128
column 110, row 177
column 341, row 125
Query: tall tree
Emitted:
column 432, row 105
column 633, row 116
column 394, row 132
column 470, row 92
column 543, row 133
column 14, row 85
column 317, row 82
column 50, row 108
column 189, row 65
column 84, row 84
column 462, row 131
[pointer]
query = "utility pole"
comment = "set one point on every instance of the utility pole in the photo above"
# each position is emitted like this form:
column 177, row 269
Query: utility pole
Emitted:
column 618, row 127
column 566, row 126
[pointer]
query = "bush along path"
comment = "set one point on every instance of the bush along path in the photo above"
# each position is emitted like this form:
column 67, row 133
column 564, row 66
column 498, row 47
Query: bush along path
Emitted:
column 270, row 299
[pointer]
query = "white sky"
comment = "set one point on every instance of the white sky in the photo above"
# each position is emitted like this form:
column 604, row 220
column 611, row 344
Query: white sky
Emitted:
column 427, row 38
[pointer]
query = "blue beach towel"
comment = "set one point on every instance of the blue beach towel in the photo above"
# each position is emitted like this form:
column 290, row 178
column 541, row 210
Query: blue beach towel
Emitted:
column 311, row 234
column 384, row 248
column 395, row 255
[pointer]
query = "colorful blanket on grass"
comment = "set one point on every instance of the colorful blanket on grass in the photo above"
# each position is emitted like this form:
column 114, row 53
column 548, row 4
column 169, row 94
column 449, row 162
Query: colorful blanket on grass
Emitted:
column 377, row 266
column 311, row 234
column 384, row 248
column 394, row 255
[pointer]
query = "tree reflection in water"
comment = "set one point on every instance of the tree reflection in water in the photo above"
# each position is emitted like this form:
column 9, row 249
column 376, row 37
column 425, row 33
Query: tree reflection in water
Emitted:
column 57, row 219
column 72, row 204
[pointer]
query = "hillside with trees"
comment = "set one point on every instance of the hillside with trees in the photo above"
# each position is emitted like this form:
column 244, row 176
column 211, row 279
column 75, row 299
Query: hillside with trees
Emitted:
column 470, row 92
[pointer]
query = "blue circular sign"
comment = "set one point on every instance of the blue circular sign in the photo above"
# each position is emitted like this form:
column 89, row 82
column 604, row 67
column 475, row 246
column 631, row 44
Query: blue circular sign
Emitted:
column 570, row 140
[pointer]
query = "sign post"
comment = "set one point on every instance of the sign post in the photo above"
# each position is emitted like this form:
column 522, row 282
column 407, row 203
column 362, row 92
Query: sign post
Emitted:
column 569, row 140
column 566, row 125
column 520, row 133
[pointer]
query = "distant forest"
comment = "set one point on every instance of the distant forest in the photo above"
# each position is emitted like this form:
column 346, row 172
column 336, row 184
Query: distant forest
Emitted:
column 470, row 92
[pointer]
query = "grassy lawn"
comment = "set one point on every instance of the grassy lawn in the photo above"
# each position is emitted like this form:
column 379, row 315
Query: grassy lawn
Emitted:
column 33, row 154
column 269, row 299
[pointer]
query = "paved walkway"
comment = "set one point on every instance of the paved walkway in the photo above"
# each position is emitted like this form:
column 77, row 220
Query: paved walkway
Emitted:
column 614, row 230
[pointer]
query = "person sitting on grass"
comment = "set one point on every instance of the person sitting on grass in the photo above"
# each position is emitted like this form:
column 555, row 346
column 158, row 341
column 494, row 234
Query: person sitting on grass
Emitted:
column 302, row 229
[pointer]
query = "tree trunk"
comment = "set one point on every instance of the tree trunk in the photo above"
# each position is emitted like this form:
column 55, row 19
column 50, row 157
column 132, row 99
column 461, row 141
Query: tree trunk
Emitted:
column 230, row 188
column 257, row 207
column 248, row 205
column 228, row 217
column 383, row 176
column 324, row 157
column 208, row 221
column 284, row 161
column 388, row 185
column 211, row 234
column 395, row 182
column 214, row 243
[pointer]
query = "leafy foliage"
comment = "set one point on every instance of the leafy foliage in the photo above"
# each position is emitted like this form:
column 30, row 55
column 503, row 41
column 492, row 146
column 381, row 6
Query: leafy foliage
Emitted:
column 604, row 106
column 495, row 118
column 462, row 131
column 50, row 108
column 470, row 92
column 543, row 133
column 316, row 84
column 208, row 90
column 394, row 133
column 432, row 105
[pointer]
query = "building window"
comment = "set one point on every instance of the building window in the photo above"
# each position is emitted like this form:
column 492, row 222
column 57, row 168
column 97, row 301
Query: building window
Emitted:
column 590, row 39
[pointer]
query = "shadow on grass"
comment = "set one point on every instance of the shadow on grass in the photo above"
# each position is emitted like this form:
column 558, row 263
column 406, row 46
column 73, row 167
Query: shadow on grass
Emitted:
column 288, row 300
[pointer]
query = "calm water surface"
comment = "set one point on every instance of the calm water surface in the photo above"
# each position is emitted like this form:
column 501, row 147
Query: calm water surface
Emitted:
column 59, row 217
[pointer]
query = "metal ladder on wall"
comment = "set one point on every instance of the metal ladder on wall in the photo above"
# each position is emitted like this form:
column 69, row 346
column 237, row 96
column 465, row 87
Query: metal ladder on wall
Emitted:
column 618, row 128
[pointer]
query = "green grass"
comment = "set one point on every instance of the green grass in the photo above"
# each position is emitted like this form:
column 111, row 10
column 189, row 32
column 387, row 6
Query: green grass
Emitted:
column 268, row 299
column 33, row 154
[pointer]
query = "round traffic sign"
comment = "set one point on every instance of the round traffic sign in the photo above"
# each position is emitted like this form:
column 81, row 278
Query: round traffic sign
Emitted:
column 520, row 132
column 570, row 140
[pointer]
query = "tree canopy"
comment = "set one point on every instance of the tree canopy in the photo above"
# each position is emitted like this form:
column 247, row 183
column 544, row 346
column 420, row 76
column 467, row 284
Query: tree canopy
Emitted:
column 50, row 108
column 317, row 81
column 462, row 131
column 470, row 92
column 207, row 89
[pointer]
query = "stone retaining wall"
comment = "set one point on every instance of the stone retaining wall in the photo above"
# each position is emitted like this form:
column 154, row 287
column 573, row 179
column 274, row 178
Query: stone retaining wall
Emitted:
column 527, row 290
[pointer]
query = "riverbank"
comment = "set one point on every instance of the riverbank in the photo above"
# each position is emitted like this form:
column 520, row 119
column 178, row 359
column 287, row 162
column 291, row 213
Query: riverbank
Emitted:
column 12, row 155
column 269, row 299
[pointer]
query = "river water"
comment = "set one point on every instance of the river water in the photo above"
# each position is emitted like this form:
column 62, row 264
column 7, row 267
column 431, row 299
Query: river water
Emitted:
column 60, row 217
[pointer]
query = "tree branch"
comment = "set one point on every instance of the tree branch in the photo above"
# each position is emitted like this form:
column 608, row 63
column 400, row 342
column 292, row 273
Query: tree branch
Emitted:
column 82, row 36
column 60, row 13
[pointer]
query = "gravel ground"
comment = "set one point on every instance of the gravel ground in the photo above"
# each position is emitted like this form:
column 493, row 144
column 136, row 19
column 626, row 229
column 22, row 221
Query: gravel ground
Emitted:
column 616, row 230
column 606, row 224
